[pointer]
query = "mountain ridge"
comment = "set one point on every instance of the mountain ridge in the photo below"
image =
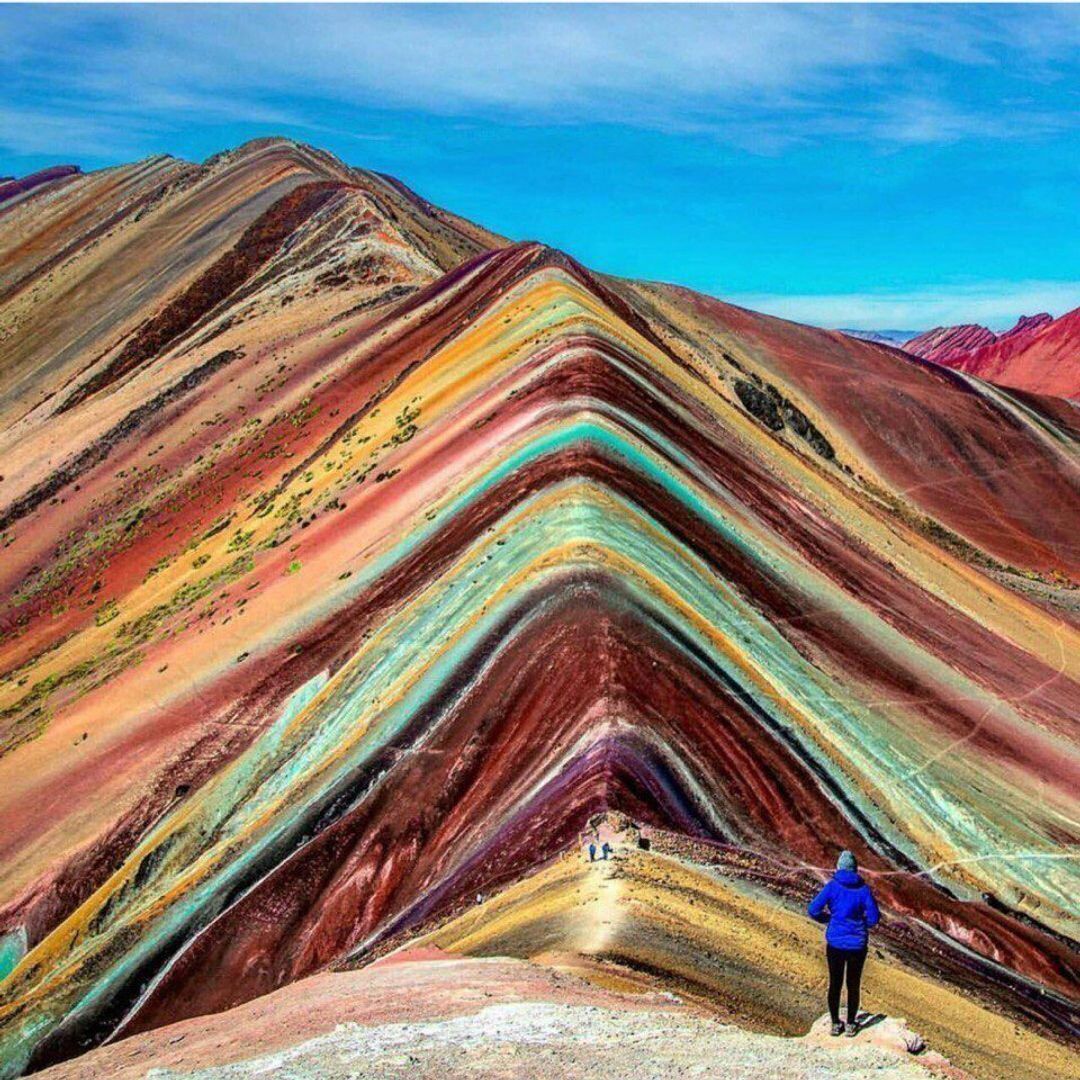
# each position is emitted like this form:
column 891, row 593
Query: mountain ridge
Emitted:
column 398, row 555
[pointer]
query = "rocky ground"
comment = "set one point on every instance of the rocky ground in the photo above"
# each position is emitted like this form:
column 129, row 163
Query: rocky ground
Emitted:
column 451, row 1017
column 541, row 1039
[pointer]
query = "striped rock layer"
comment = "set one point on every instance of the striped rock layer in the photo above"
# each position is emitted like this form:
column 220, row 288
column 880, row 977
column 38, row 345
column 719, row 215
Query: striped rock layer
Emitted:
column 944, row 342
column 356, row 559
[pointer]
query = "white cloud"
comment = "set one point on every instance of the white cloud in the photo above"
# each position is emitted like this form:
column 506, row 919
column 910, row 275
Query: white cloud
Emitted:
column 759, row 76
column 996, row 304
column 914, row 120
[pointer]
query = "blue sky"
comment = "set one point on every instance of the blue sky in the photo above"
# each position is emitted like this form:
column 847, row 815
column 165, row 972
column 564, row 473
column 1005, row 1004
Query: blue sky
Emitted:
column 866, row 166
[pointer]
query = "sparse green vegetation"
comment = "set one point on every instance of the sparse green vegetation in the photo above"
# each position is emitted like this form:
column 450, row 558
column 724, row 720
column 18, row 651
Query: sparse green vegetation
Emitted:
column 241, row 539
column 106, row 613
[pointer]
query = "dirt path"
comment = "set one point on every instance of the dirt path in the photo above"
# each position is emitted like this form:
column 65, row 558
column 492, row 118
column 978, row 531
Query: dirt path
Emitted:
column 544, row 1040
column 426, row 1015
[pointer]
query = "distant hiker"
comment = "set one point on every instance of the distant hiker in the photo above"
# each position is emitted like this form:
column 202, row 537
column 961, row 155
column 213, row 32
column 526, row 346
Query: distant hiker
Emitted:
column 592, row 853
column 851, row 913
column 606, row 849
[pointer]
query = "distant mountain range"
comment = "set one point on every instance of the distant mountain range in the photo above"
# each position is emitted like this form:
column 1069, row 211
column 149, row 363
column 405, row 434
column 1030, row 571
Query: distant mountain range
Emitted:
column 1039, row 353
column 895, row 338
column 945, row 343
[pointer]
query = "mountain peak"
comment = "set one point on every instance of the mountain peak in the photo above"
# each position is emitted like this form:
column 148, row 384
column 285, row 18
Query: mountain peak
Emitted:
column 1026, row 323
column 12, row 187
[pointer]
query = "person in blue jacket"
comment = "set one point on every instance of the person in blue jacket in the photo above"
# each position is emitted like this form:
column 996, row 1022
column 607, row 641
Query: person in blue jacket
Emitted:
column 847, row 906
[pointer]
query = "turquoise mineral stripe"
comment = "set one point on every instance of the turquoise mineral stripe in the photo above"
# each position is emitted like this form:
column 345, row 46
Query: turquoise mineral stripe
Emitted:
column 283, row 779
column 287, row 771
column 12, row 950
column 275, row 769
column 616, row 440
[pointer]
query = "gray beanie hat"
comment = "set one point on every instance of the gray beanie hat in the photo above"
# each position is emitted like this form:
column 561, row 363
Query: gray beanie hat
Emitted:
column 846, row 861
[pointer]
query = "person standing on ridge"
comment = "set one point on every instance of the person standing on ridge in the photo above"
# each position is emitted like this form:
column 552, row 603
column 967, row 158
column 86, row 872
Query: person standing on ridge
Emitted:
column 851, row 912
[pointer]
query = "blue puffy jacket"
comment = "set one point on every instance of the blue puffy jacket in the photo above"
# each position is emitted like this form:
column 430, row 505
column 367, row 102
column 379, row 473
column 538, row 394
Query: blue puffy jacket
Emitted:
column 851, row 907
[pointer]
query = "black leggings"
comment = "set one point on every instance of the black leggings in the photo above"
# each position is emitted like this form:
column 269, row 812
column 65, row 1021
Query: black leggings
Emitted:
column 853, row 960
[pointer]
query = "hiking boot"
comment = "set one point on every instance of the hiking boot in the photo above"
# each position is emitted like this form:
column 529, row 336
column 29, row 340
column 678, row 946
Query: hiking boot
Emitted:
column 838, row 1028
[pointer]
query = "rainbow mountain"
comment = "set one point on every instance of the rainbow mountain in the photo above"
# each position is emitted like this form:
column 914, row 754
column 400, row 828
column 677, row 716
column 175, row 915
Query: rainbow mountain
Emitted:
column 358, row 562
